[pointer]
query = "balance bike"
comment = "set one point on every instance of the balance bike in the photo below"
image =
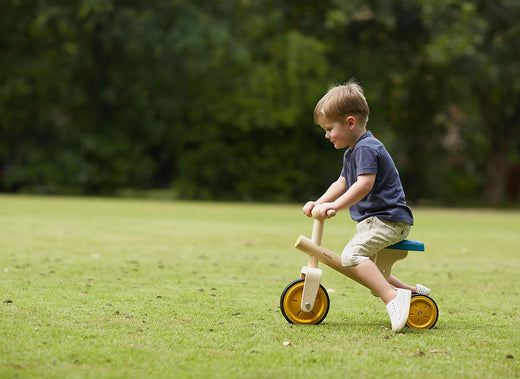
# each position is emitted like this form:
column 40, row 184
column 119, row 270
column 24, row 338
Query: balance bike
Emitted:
column 306, row 301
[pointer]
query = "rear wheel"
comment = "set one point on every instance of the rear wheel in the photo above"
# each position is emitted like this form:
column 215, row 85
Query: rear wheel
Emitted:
column 290, row 304
column 423, row 312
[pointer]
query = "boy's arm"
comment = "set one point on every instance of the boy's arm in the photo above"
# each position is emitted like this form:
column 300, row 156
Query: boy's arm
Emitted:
column 335, row 190
column 355, row 193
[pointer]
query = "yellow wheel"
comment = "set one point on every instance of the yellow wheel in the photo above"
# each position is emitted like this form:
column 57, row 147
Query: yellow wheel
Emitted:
column 290, row 303
column 423, row 312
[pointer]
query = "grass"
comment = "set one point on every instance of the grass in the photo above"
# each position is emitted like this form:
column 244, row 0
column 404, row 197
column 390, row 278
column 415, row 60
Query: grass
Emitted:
column 111, row 288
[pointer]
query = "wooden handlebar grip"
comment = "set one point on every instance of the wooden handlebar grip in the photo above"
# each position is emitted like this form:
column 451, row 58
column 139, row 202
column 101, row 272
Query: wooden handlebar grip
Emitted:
column 316, row 215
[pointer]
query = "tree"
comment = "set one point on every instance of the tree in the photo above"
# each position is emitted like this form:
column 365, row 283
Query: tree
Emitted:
column 476, row 44
column 215, row 98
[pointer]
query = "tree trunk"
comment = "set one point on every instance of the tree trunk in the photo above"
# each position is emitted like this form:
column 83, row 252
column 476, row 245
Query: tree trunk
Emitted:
column 497, row 163
column 496, row 177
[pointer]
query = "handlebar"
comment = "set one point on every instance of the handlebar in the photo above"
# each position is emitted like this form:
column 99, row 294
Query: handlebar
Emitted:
column 317, row 216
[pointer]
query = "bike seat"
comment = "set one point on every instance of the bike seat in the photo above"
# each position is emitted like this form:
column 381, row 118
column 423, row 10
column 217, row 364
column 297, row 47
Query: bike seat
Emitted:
column 411, row 245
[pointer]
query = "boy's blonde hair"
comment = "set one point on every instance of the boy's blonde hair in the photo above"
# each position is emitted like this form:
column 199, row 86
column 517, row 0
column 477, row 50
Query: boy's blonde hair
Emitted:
column 342, row 101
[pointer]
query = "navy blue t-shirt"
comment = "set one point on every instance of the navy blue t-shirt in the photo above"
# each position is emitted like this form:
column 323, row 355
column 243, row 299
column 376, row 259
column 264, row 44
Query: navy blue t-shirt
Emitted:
column 386, row 200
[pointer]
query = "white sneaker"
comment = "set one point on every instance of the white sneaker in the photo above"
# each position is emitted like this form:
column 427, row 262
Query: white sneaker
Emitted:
column 398, row 309
column 422, row 290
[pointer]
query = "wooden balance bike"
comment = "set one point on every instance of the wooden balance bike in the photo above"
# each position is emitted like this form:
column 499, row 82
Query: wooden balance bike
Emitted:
column 305, row 301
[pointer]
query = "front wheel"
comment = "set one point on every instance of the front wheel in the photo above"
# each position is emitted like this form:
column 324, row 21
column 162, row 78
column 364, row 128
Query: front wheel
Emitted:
column 290, row 303
column 423, row 312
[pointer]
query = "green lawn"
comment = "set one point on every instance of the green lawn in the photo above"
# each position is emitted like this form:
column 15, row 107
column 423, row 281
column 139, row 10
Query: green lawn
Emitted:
column 109, row 288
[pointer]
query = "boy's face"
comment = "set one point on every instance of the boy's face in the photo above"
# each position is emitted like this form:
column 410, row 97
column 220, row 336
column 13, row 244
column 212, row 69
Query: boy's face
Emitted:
column 339, row 133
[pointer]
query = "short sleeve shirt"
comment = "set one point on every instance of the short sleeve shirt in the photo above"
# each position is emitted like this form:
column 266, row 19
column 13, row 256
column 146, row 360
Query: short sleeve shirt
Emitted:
column 387, row 199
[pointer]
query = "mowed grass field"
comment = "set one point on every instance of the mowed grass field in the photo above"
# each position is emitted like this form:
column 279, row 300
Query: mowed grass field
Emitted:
column 113, row 288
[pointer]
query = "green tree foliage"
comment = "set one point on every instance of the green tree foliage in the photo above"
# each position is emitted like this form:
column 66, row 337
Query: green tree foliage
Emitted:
column 215, row 98
column 476, row 44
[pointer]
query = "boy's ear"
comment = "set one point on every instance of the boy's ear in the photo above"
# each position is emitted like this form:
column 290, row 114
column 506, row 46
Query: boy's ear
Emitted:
column 350, row 121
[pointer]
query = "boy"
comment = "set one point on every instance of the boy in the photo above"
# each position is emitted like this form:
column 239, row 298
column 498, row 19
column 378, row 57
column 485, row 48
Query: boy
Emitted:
column 369, row 185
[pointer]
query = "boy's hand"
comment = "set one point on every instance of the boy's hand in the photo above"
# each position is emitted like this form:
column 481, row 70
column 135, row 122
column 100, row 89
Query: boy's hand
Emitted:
column 325, row 210
column 307, row 208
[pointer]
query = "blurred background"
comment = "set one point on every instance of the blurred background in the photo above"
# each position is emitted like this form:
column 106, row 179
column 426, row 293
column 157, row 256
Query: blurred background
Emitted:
column 214, row 100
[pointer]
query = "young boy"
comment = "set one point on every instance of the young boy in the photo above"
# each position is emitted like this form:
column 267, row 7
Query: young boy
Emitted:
column 369, row 185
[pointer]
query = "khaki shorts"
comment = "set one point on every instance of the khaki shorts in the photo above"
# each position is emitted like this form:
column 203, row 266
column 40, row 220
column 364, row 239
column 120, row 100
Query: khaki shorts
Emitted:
column 372, row 236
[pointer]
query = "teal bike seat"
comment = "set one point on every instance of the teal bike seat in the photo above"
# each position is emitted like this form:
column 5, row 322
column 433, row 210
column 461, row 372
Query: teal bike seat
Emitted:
column 412, row 245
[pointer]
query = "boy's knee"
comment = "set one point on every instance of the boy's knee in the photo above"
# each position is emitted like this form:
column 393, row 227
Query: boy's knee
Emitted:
column 352, row 259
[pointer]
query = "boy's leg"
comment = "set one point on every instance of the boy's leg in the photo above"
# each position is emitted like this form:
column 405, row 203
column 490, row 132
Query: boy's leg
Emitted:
column 397, row 283
column 419, row 288
column 397, row 301
column 372, row 236
column 369, row 274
